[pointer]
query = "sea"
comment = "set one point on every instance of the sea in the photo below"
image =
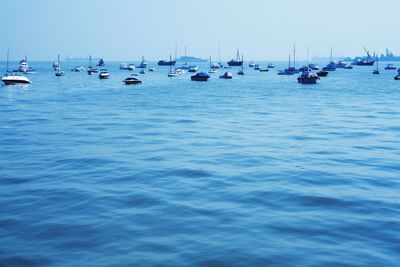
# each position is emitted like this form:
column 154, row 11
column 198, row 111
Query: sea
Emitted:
column 255, row 171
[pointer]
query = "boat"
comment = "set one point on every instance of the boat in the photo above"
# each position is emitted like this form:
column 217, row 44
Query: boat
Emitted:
column 200, row 77
column 397, row 77
column 166, row 62
column 212, row 70
column 348, row 67
column 308, row 77
column 10, row 78
column 103, row 74
column 172, row 73
column 289, row 71
column 131, row 67
column 215, row 66
column 90, row 69
column 365, row 61
column 331, row 65
column 313, row 66
column 152, row 69
column 180, row 71
column 390, row 67
column 251, row 64
column 142, row 64
column 322, row 73
column 24, row 67
column 236, row 62
column 132, row 80
column 270, row 66
column 58, row 70
column 340, row 64
column 55, row 65
column 193, row 68
column 123, row 66
column 143, row 71
column 78, row 69
column 241, row 71
column 376, row 71
column 101, row 63
column 227, row 75
column 257, row 67
column 264, row 70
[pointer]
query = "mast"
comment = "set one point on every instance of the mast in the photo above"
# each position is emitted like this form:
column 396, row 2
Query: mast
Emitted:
column 308, row 51
column 237, row 54
column 170, row 64
column 90, row 61
column 294, row 56
column 8, row 55
column 219, row 54
column 289, row 61
column 185, row 56
column 176, row 51
column 58, row 60
column 242, row 62
column 210, row 63
column 331, row 53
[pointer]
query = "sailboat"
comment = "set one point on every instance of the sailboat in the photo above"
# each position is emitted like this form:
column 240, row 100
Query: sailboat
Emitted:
column 13, row 78
column 241, row 71
column 59, row 72
column 288, row 71
column 171, row 73
column 143, row 64
column 212, row 69
column 376, row 71
column 331, row 65
column 90, row 69
column 235, row 62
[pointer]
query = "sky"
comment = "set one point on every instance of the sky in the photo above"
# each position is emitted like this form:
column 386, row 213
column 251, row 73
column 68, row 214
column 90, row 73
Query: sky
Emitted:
column 261, row 29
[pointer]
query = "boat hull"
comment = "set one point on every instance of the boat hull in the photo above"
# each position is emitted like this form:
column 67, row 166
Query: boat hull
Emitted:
column 234, row 63
column 308, row 80
column 166, row 63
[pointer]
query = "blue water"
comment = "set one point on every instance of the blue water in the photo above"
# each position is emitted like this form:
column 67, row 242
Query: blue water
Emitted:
column 254, row 171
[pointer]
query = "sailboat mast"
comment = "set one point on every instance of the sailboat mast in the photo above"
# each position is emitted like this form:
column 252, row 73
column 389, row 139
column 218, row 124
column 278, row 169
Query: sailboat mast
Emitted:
column 210, row 62
column 294, row 56
column 219, row 54
column 90, row 61
column 170, row 63
column 242, row 62
column 331, row 53
column 8, row 55
column 289, row 61
column 185, row 56
column 176, row 51
column 308, row 51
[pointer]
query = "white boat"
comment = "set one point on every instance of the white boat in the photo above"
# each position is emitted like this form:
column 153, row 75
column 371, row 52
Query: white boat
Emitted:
column 123, row 66
column 13, row 78
column 58, row 70
column 78, row 69
column 131, row 67
column 180, row 71
column 103, row 74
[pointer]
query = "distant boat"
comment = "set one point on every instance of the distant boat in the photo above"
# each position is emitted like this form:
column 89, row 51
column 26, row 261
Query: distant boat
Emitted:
column 390, row 67
column 103, row 74
column 143, row 71
column 251, row 64
column 152, row 69
column 313, row 66
column 348, row 67
column 101, row 63
column 366, row 61
column 236, row 62
column 142, row 64
column 308, row 77
column 58, row 70
column 180, row 71
column 227, row 75
column 212, row 69
column 257, row 67
column 193, row 68
column 24, row 67
column 13, row 78
column 90, row 69
column 123, row 66
column 264, row 70
column 169, row 62
column 376, row 71
column 131, row 67
column 397, row 77
column 331, row 65
column 78, row 69
column 289, row 71
column 200, row 77
column 270, row 66
column 171, row 73
column 56, row 64
column 132, row 80
column 241, row 71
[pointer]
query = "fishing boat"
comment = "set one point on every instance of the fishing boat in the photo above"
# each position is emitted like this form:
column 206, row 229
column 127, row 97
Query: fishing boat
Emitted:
column 227, row 75
column 368, row 61
column 58, row 70
column 308, row 77
column 200, row 77
column 101, row 63
column 13, row 78
column 132, row 80
column 322, row 73
column 241, row 71
column 103, row 74
column 142, row 64
column 390, row 67
column 236, row 62
column 376, row 71
column 90, row 69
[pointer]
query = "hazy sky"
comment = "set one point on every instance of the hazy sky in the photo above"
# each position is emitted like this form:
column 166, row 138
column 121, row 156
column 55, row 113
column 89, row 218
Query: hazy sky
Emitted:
column 262, row 29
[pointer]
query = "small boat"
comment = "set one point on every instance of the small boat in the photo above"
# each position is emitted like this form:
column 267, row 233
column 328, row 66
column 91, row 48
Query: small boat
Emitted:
column 257, row 67
column 180, row 71
column 13, row 78
column 376, row 71
column 143, row 71
column 340, row 64
column 172, row 73
column 103, row 74
column 348, row 67
column 152, row 69
column 289, row 71
column 264, row 70
column 313, row 67
column 132, row 80
column 251, row 64
column 193, row 68
column 322, row 73
column 212, row 67
column 131, row 67
column 215, row 66
column 123, row 66
column 270, row 66
column 78, row 69
column 308, row 77
column 200, row 77
column 227, row 75
column 58, row 70
column 55, row 65
column 390, row 67
column 101, row 63
column 24, row 67
column 236, row 62
column 241, row 71
column 330, row 67
column 169, row 62
column 142, row 64
column 90, row 69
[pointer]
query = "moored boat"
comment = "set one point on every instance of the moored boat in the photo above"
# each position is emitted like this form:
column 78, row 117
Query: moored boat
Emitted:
column 235, row 62
column 322, row 73
column 101, row 63
column 142, row 64
column 10, row 78
column 103, row 74
column 390, row 67
column 227, row 75
column 200, row 77
column 58, row 70
column 90, row 69
column 132, row 80
column 308, row 77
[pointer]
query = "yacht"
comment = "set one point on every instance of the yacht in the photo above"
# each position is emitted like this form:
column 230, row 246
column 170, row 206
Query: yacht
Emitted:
column 132, row 80
column 78, row 69
column 365, row 61
column 193, row 68
column 13, row 78
column 200, row 77
column 24, row 67
column 376, row 71
column 103, row 74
